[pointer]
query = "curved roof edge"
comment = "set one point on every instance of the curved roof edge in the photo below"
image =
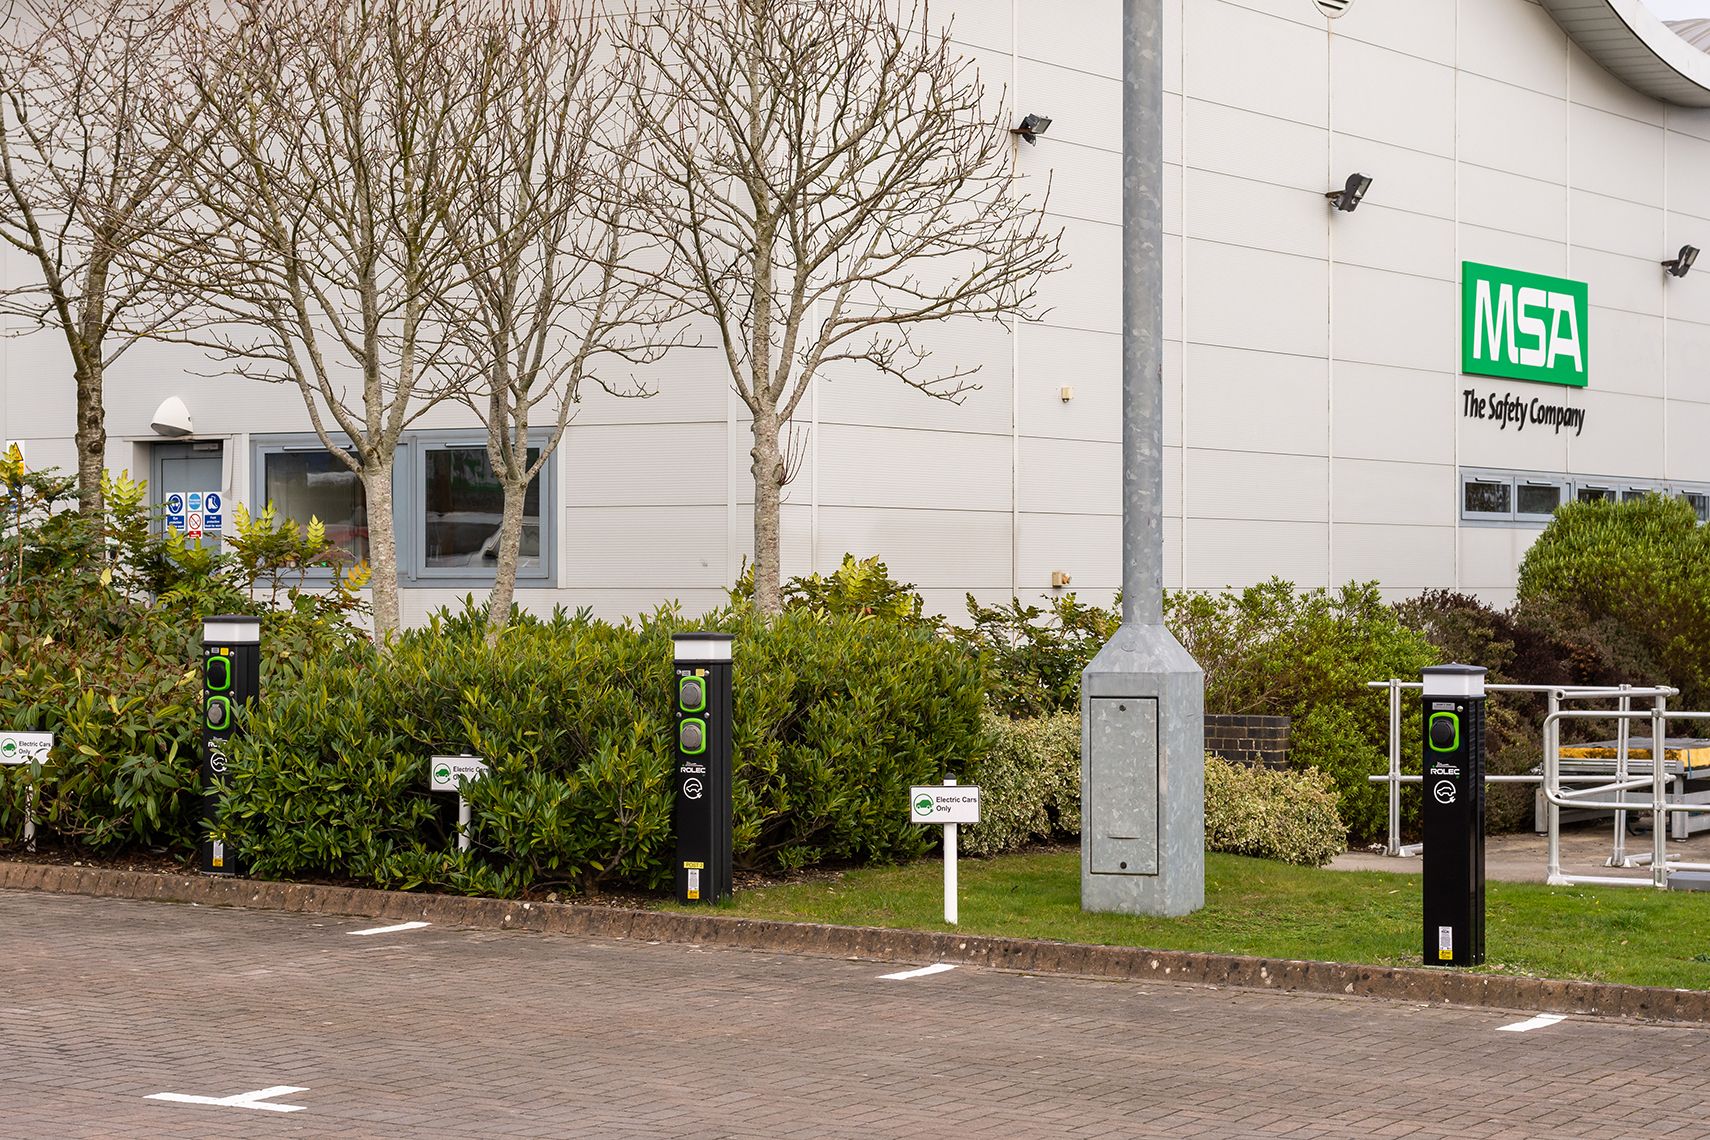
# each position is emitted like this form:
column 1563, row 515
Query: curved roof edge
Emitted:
column 1635, row 46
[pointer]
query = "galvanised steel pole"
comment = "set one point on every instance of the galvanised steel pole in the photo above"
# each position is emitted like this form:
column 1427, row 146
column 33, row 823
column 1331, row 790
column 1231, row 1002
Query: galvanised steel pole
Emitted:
column 1143, row 697
column 1142, row 313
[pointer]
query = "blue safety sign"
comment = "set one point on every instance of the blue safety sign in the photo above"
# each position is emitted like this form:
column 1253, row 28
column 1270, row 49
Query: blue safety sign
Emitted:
column 195, row 501
column 174, row 504
column 212, row 522
column 211, row 503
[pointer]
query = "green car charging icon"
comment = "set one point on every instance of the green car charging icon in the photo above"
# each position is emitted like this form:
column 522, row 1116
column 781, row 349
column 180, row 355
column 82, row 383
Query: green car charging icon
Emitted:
column 923, row 805
column 442, row 774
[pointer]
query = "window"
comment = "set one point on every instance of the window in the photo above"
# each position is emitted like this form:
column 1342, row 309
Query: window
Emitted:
column 459, row 511
column 1537, row 499
column 1528, row 497
column 1487, row 496
column 303, row 484
column 447, row 505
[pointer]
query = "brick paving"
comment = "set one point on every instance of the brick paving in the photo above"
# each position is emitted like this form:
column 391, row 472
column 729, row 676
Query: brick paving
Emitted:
column 448, row 1032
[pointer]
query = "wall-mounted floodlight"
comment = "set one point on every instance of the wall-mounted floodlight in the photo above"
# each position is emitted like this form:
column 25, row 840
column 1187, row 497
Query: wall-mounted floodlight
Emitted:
column 1682, row 263
column 172, row 418
column 1347, row 199
column 1032, row 127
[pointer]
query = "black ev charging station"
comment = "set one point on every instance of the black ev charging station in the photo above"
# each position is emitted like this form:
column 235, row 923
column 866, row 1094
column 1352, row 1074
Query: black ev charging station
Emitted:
column 1453, row 710
column 702, row 809
column 231, row 679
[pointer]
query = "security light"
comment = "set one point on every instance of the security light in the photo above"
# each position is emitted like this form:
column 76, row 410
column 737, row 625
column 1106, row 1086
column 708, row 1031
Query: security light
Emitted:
column 172, row 418
column 1032, row 127
column 1682, row 263
column 1347, row 199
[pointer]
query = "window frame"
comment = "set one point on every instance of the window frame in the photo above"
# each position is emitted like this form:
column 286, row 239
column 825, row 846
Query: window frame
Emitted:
column 409, row 481
column 409, row 506
column 1564, row 494
column 283, row 443
column 1470, row 475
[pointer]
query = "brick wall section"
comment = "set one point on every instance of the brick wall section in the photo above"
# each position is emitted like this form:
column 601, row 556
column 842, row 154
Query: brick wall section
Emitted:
column 1252, row 740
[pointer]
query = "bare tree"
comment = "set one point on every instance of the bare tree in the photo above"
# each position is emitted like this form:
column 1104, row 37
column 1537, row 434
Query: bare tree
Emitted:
column 830, row 180
column 553, row 288
column 335, row 135
column 89, row 184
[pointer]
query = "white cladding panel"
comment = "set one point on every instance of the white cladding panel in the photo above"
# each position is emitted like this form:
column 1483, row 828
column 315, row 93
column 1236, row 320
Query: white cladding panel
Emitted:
column 1251, row 485
column 1514, row 204
column 1392, row 413
column 1514, row 41
column 1617, row 156
column 1397, row 241
column 889, row 467
column 1393, row 97
column 1412, row 557
column 1506, row 128
column 1086, row 547
column 658, row 547
column 932, row 549
column 1225, row 554
column 1249, row 298
column 1410, row 180
column 1252, row 144
column 1255, row 401
column 1246, row 58
column 1367, row 491
column 1421, row 28
column 1394, row 319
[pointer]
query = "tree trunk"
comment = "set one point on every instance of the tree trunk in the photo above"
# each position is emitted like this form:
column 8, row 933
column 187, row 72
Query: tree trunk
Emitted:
column 510, row 551
column 91, row 438
column 382, row 548
column 768, row 470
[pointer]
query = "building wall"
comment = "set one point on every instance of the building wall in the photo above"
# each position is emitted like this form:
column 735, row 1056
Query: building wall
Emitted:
column 1312, row 358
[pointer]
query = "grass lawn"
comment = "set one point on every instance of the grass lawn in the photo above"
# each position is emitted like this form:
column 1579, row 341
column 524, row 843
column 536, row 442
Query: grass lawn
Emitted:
column 1630, row 935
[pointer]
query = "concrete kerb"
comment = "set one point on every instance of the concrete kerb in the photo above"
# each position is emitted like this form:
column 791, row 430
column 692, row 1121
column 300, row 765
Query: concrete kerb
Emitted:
column 1122, row 963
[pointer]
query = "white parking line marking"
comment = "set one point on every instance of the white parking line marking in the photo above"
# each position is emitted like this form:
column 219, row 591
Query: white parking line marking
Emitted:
column 392, row 929
column 1538, row 1022
column 241, row 1100
column 920, row 973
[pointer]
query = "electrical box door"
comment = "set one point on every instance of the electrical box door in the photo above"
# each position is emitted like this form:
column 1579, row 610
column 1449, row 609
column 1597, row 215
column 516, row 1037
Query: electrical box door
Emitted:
column 1123, row 775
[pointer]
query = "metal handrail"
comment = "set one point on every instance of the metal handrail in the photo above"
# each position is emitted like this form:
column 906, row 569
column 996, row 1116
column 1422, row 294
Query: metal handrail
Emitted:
column 1551, row 778
column 1658, row 781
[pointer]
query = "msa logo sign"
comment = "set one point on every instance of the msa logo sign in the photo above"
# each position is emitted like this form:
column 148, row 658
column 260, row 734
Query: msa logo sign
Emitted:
column 1523, row 326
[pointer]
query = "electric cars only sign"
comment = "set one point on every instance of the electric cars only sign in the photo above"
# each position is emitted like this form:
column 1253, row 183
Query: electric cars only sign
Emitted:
column 952, row 804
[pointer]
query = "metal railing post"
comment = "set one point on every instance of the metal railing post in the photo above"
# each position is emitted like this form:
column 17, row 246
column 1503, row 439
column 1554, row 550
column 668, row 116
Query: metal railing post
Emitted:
column 1659, row 793
column 1552, row 777
column 1623, row 744
column 1394, row 768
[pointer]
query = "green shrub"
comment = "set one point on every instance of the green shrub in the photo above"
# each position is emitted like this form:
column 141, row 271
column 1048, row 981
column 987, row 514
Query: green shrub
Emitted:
column 835, row 718
column 1030, row 784
column 1274, row 650
column 1034, row 657
column 1627, row 587
column 88, row 654
column 858, row 588
column 1286, row 815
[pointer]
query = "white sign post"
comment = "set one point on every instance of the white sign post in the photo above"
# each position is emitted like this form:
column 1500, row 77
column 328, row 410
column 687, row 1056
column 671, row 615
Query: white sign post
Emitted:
column 949, row 805
column 449, row 774
column 27, row 748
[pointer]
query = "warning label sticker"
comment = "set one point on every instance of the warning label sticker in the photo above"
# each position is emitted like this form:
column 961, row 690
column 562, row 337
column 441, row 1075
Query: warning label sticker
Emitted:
column 1445, row 943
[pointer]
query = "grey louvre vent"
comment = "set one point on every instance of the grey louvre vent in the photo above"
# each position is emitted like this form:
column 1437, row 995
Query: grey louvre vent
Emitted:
column 1333, row 8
